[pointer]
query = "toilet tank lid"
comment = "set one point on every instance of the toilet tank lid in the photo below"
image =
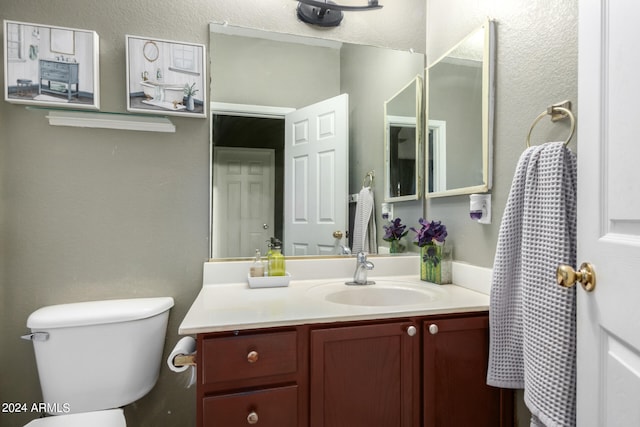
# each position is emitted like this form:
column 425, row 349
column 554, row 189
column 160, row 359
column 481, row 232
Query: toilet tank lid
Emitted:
column 97, row 312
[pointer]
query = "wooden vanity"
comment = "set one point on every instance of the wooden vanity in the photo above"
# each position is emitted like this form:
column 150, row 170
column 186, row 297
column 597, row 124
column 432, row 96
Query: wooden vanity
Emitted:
column 419, row 371
column 288, row 357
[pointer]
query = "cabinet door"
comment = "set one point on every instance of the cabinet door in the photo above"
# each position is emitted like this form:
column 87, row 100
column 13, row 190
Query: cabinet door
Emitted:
column 363, row 376
column 456, row 352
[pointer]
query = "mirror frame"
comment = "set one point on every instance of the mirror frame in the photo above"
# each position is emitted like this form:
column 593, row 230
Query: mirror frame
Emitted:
column 419, row 128
column 488, row 104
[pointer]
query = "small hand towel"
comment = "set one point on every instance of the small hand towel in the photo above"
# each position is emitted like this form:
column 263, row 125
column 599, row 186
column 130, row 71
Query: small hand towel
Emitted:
column 532, row 319
column 364, row 226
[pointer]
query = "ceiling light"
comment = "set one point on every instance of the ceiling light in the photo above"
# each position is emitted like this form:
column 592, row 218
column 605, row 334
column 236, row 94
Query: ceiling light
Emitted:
column 327, row 13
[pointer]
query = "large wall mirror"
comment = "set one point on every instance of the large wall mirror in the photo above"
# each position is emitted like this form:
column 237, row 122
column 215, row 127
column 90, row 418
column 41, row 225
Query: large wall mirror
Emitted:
column 460, row 104
column 403, row 143
column 259, row 81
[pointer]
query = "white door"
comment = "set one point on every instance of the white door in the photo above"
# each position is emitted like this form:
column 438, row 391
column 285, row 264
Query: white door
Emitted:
column 315, row 187
column 609, row 212
column 243, row 201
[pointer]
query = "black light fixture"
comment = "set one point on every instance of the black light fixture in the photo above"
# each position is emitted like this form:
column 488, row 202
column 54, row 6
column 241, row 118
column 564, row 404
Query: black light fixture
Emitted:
column 327, row 13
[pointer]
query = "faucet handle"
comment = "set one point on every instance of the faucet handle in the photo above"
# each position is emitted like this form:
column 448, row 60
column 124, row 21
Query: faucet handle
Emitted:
column 362, row 257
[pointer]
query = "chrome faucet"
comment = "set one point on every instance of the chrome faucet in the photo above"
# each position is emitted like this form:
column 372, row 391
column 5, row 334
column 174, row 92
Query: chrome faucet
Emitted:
column 362, row 266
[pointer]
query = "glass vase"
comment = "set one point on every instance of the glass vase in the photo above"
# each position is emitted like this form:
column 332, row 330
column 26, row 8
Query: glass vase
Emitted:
column 435, row 263
column 394, row 247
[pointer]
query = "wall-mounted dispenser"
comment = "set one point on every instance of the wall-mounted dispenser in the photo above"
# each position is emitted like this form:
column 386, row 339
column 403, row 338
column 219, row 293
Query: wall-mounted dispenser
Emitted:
column 480, row 208
column 387, row 211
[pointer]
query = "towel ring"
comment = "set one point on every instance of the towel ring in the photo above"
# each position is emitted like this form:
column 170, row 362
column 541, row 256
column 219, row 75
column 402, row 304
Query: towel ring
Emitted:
column 369, row 175
column 562, row 113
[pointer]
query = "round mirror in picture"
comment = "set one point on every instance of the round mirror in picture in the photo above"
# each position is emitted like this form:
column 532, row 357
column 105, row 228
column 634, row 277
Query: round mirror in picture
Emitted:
column 150, row 51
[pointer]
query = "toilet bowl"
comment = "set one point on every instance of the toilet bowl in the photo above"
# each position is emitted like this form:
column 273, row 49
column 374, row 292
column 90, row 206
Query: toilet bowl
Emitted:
column 95, row 357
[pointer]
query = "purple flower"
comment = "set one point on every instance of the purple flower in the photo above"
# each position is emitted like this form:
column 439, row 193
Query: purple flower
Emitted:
column 394, row 231
column 433, row 231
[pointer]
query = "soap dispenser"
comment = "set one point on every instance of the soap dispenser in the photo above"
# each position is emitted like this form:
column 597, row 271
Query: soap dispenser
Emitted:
column 257, row 268
column 276, row 259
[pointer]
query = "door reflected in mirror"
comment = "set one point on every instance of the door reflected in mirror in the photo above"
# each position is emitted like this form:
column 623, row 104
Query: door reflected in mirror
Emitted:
column 460, row 117
column 403, row 143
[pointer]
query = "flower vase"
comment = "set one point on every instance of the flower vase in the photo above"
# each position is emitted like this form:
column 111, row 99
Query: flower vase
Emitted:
column 394, row 247
column 435, row 263
column 190, row 103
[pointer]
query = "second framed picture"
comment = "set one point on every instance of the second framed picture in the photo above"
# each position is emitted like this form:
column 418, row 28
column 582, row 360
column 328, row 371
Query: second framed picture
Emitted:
column 166, row 77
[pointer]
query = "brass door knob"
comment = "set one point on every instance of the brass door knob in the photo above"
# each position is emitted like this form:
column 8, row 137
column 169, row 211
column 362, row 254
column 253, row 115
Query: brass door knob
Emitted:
column 566, row 276
column 337, row 234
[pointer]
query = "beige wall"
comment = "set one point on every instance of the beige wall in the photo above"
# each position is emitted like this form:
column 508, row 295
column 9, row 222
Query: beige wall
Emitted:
column 97, row 214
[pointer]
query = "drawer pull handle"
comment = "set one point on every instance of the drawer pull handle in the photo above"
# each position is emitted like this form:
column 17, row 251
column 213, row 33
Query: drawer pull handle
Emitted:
column 433, row 329
column 412, row 331
column 252, row 357
column 252, row 418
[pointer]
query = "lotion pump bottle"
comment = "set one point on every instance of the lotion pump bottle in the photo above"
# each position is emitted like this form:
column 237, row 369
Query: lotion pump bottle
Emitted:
column 276, row 260
column 257, row 268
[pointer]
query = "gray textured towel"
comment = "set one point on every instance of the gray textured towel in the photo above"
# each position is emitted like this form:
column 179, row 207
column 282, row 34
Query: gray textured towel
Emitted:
column 364, row 227
column 532, row 319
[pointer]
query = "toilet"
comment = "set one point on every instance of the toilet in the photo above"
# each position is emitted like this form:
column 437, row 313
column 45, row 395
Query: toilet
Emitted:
column 95, row 357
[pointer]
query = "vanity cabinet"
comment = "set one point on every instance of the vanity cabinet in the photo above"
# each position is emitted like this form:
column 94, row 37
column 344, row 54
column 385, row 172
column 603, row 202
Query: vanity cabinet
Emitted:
column 66, row 73
column 424, row 371
column 455, row 356
column 365, row 375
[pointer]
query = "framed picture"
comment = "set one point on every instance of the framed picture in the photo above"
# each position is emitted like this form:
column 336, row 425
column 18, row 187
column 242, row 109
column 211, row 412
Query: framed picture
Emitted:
column 51, row 66
column 166, row 77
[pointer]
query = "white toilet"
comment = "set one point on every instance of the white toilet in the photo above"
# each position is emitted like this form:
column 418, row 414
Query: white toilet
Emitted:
column 95, row 357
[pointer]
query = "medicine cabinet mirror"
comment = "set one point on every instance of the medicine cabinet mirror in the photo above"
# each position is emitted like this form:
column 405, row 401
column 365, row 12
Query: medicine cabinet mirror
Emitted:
column 460, row 103
column 403, row 143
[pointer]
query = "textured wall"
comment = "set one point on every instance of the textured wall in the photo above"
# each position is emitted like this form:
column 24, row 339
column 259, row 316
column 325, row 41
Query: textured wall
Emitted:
column 90, row 213
column 536, row 65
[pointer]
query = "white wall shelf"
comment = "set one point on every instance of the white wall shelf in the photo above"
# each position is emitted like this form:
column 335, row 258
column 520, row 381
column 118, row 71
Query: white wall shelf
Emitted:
column 105, row 120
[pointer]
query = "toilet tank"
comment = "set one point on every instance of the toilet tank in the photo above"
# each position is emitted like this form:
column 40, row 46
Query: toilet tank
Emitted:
column 99, row 354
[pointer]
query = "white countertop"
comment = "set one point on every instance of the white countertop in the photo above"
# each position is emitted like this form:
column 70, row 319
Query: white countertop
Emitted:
column 235, row 306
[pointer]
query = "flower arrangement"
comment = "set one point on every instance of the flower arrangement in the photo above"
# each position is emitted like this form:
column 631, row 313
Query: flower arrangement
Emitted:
column 433, row 231
column 430, row 238
column 393, row 233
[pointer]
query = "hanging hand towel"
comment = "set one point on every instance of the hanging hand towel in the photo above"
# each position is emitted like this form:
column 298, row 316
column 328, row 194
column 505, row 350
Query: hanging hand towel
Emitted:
column 532, row 319
column 364, row 226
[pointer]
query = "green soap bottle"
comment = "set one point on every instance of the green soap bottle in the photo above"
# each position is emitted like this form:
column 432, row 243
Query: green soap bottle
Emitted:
column 270, row 243
column 276, row 260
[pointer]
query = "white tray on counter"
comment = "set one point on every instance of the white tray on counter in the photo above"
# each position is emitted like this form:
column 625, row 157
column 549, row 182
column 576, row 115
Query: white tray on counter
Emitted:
column 269, row 281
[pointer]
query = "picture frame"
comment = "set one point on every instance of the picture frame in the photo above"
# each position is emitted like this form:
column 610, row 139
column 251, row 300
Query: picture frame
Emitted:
column 166, row 77
column 51, row 66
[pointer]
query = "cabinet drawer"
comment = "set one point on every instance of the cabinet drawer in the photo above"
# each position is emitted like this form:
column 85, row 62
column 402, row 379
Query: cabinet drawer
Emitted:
column 252, row 356
column 55, row 75
column 276, row 407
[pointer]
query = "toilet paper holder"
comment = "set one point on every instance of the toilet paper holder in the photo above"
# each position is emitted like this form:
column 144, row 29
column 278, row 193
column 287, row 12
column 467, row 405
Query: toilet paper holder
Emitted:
column 184, row 360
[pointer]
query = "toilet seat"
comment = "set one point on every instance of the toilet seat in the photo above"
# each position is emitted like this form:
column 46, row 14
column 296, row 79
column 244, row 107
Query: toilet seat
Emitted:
column 106, row 418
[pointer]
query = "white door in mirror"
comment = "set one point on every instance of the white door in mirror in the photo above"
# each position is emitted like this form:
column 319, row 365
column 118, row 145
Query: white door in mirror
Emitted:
column 316, row 159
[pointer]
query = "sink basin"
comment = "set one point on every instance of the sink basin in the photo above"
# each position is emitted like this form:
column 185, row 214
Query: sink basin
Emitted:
column 377, row 295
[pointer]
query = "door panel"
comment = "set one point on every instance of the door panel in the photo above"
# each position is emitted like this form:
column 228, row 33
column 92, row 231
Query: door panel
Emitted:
column 316, row 159
column 609, row 213
column 243, row 202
